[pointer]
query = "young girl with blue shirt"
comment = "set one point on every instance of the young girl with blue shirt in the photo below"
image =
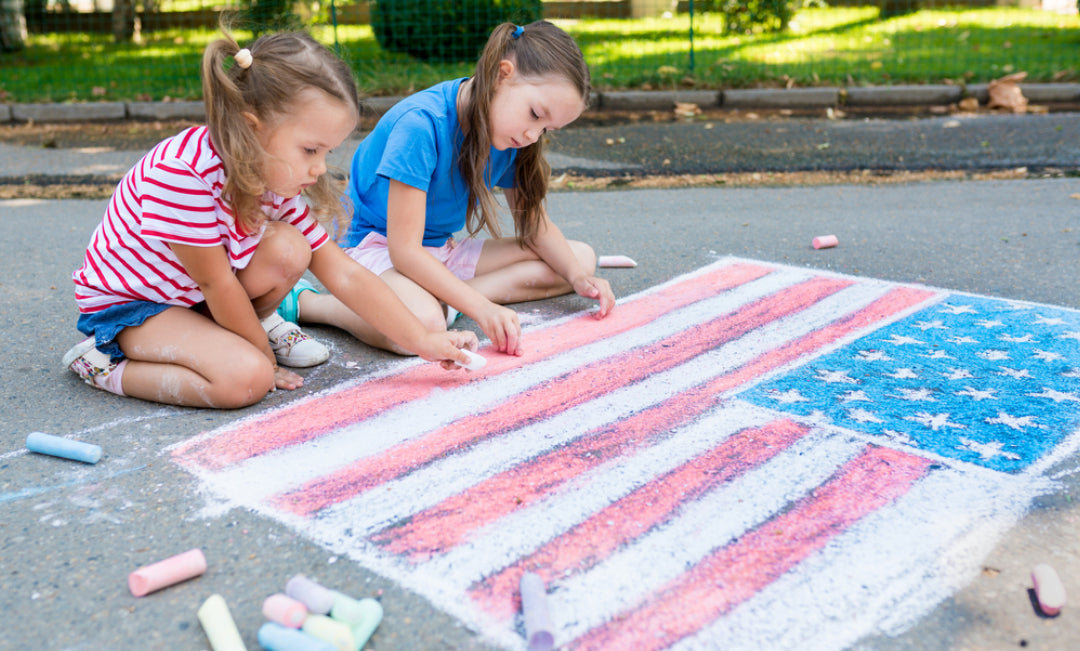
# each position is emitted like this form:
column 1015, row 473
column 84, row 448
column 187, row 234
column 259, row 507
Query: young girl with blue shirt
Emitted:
column 428, row 170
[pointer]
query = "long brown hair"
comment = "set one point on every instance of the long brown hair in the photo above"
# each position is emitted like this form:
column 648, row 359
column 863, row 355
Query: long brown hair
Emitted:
column 541, row 49
column 282, row 66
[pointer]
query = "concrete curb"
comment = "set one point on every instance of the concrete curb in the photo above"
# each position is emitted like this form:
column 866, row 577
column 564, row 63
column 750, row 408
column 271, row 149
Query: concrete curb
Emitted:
column 629, row 100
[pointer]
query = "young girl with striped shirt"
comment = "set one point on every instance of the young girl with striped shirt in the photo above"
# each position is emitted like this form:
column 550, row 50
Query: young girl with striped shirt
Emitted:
column 208, row 232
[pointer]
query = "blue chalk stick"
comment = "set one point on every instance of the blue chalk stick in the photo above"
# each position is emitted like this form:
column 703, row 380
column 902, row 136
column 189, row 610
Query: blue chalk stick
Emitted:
column 275, row 637
column 62, row 447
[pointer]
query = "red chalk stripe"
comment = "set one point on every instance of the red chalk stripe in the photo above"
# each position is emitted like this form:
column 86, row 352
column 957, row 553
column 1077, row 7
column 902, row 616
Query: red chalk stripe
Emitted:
column 734, row 573
column 647, row 507
column 553, row 397
column 312, row 418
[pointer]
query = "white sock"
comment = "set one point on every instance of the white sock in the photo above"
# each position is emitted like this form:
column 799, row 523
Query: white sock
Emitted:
column 112, row 381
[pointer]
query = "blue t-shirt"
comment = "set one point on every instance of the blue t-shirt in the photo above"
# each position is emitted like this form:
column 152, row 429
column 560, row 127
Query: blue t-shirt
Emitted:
column 417, row 143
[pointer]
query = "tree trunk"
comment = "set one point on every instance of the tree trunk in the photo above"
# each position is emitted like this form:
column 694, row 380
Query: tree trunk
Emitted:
column 123, row 21
column 12, row 26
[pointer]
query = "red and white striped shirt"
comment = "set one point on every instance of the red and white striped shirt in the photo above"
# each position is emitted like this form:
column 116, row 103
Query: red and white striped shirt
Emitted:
column 173, row 194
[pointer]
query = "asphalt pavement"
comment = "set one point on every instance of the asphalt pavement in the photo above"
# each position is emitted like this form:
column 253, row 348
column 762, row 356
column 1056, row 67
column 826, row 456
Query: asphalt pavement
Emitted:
column 71, row 533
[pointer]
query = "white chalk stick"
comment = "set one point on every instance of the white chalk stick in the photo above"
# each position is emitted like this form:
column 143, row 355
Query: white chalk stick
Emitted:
column 164, row 573
column 1049, row 589
column 219, row 626
column 476, row 360
column 615, row 261
column 825, row 241
column 534, row 607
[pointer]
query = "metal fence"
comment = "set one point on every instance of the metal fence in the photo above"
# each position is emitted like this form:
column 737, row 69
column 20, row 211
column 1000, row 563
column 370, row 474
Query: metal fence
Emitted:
column 86, row 50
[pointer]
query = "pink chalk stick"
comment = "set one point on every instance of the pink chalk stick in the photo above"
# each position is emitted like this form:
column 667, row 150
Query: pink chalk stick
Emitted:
column 825, row 241
column 615, row 261
column 168, row 572
column 284, row 610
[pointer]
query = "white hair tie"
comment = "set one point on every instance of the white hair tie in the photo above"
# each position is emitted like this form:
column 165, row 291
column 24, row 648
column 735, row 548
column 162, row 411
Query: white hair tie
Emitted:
column 243, row 58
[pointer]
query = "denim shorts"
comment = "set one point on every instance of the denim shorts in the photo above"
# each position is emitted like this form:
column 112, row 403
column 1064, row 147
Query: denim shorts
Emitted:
column 104, row 326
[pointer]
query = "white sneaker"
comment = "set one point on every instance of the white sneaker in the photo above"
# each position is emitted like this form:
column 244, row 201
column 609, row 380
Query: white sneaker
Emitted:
column 86, row 361
column 291, row 346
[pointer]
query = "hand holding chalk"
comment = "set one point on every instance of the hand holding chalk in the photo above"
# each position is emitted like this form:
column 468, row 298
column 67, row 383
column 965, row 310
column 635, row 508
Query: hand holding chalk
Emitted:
column 476, row 360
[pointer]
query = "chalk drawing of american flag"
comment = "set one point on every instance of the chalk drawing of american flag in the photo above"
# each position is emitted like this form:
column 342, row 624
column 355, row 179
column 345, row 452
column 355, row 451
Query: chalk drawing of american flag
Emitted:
column 749, row 456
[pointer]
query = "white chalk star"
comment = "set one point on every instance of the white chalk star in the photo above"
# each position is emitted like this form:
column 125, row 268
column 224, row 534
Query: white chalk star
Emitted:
column 1013, row 422
column 978, row 395
column 988, row 450
column 1046, row 320
column 1056, row 396
column 930, row 325
column 990, row 324
column 863, row 416
column 1047, row 356
column 938, row 354
column 1073, row 373
column 957, row 374
column 1015, row 373
column 1026, row 339
column 787, row 397
column 872, row 356
column 957, row 309
column 917, row 395
column 1070, row 335
column 933, row 421
column 903, row 374
column 835, row 377
column 963, row 340
column 900, row 340
column 993, row 355
column 853, row 396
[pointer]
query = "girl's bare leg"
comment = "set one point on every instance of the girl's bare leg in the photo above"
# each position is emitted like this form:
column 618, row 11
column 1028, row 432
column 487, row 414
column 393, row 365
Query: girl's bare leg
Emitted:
column 508, row 273
column 181, row 357
column 325, row 308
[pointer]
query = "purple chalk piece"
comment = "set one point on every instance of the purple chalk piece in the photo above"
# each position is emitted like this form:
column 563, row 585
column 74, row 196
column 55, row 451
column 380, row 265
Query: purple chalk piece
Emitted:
column 319, row 600
column 61, row 447
column 534, row 607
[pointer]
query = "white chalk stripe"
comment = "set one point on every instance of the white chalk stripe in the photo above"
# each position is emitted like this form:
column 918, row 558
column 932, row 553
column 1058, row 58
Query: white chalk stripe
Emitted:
column 295, row 465
column 654, row 560
column 894, row 565
column 449, row 476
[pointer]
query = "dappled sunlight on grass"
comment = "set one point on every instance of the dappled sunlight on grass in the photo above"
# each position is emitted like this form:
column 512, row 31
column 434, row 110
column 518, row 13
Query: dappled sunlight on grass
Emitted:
column 835, row 46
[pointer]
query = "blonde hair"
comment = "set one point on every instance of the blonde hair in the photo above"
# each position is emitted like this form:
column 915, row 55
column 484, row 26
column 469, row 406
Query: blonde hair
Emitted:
column 281, row 67
column 540, row 49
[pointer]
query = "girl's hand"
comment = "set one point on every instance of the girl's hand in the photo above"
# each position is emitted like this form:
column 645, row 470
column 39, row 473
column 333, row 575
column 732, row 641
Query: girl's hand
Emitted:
column 597, row 288
column 502, row 327
column 445, row 347
column 286, row 379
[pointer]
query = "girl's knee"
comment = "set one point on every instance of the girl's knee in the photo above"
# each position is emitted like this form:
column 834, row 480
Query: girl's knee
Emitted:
column 286, row 247
column 244, row 381
column 585, row 254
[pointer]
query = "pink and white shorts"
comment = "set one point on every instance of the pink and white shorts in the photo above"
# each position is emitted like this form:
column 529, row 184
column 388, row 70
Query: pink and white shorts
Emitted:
column 459, row 257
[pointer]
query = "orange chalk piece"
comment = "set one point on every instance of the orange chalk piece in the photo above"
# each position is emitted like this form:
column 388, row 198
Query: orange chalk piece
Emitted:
column 825, row 241
column 1049, row 589
column 168, row 572
column 284, row 610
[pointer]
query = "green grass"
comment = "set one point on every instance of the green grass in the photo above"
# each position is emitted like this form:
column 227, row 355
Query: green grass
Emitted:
column 833, row 47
